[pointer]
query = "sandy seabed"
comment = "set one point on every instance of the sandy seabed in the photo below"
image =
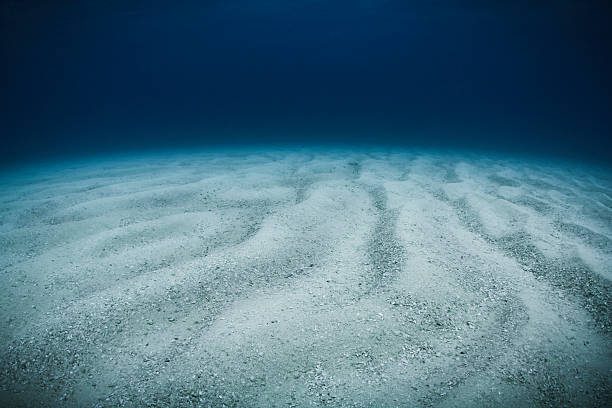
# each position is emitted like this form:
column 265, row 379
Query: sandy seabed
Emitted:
column 306, row 278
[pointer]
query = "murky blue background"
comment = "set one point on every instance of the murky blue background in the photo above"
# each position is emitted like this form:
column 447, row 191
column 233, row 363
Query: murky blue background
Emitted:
column 82, row 77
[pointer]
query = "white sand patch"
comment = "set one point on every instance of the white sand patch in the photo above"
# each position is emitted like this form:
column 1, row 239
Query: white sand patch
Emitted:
column 306, row 278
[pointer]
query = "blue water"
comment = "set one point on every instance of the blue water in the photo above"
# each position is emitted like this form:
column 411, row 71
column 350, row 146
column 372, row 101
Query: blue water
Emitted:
column 93, row 77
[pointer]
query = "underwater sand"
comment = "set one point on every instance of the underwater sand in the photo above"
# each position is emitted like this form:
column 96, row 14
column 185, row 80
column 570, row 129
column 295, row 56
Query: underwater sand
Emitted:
column 306, row 278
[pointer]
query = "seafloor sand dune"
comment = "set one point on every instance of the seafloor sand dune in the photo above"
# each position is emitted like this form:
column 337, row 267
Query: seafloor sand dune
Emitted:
column 303, row 278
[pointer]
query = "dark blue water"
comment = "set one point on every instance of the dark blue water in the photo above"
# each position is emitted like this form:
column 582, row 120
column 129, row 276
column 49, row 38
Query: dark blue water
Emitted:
column 82, row 77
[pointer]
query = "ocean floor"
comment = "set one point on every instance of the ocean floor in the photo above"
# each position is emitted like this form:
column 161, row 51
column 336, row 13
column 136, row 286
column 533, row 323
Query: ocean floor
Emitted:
column 306, row 278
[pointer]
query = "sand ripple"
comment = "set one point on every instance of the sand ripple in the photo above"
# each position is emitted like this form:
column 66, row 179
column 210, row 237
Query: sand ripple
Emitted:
column 300, row 278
